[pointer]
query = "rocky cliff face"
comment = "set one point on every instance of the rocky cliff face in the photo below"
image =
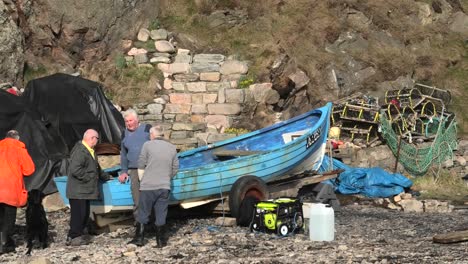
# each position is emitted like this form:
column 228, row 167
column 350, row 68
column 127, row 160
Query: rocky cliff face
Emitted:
column 63, row 35
column 311, row 51
column 11, row 46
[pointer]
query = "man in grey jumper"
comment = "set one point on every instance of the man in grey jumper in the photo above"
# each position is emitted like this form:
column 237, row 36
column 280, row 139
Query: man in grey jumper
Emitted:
column 157, row 164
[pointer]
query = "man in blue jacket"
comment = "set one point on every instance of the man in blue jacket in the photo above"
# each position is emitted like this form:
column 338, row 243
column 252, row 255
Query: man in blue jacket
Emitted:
column 133, row 138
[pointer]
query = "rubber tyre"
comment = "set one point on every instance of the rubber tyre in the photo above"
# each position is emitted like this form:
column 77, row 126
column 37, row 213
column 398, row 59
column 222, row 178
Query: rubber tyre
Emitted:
column 299, row 221
column 283, row 230
column 246, row 186
column 247, row 211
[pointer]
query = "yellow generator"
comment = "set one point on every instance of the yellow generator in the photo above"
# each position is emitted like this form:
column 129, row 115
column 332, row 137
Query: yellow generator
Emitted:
column 281, row 215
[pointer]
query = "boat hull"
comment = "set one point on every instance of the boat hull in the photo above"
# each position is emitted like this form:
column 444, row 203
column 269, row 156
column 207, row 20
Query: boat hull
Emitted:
column 287, row 148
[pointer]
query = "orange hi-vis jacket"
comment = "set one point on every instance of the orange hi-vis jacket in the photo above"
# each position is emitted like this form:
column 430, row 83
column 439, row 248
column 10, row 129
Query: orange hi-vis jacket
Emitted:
column 15, row 163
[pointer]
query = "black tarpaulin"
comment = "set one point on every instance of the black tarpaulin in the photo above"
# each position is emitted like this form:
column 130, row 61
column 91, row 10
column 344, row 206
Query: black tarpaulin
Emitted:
column 51, row 116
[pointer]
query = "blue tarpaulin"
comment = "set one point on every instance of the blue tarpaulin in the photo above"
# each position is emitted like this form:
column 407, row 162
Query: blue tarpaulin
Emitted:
column 371, row 182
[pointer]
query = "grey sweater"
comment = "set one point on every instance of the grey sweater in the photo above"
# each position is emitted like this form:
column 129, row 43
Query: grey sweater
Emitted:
column 159, row 160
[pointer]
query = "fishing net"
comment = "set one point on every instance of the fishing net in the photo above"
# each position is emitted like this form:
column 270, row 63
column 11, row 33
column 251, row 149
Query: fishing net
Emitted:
column 418, row 159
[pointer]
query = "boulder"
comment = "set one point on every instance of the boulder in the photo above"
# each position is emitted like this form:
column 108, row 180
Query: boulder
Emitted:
column 143, row 35
column 158, row 34
column 412, row 206
column 233, row 67
column 164, row 46
column 53, row 202
column 460, row 23
column 299, row 78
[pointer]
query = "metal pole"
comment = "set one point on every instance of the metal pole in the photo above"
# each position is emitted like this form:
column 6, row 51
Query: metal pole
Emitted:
column 397, row 154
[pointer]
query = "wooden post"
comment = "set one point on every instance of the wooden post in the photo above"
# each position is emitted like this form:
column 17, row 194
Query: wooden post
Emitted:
column 453, row 237
column 397, row 154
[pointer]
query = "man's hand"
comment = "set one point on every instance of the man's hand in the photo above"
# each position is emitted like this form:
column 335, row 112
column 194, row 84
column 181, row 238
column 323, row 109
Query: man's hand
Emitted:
column 123, row 177
column 140, row 174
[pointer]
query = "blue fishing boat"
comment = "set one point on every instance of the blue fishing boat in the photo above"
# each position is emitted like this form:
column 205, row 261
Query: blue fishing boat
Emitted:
column 239, row 167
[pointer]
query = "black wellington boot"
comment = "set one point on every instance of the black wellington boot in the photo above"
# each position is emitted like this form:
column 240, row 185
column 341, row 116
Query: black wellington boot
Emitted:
column 139, row 235
column 8, row 244
column 2, row 240
column 160, row 242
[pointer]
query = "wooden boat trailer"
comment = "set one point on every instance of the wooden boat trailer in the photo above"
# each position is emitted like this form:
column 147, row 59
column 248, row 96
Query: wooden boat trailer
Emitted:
column 307, row 186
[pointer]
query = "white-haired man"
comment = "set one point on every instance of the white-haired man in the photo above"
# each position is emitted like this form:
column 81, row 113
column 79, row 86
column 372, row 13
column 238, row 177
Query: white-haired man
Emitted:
column 133, row 138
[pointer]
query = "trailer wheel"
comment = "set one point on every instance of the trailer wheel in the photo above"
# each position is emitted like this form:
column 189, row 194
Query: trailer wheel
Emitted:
column 248, row 188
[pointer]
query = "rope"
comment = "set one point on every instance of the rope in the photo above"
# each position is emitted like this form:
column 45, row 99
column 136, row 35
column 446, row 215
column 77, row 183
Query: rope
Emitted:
column 221, row 196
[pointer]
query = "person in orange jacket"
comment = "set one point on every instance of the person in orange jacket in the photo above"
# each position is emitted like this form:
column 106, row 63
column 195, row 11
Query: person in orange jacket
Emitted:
column 15, row 163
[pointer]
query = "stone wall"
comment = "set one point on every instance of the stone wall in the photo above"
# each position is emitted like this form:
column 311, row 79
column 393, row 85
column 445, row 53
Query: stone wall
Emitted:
column 200, row 95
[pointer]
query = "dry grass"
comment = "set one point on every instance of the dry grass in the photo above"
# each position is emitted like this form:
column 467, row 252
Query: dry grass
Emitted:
column 446, row 185
column 303, row 28
column 135, row 84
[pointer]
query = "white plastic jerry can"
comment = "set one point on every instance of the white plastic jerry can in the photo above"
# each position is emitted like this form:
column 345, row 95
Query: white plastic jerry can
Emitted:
column 321, row 222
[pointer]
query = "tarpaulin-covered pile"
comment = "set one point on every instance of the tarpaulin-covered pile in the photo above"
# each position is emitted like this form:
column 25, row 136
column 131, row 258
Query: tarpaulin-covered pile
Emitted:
column 371, row 182
column 51, row 116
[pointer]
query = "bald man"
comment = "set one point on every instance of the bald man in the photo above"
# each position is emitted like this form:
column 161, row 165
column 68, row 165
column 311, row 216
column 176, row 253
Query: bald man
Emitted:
column 82, row 185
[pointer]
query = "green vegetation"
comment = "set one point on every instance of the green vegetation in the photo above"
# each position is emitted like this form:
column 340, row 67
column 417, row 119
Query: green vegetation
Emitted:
column 456, row 79
column 206, row 7
column 134, row 83
column 120, row 62
column 34, row 73
column 109, row 94
column 148, row 45
column 246, row 42
column 135, row 73
column 238, row 45
column 246, row 81
column 446, row 185
column 154, row 24
column 174, row 20
column 237, row 131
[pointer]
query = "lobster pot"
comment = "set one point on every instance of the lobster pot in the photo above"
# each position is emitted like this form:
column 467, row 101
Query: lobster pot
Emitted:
column 321, row 222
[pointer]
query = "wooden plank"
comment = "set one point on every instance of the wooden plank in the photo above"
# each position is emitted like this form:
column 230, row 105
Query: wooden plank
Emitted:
column 107, row 219
column 187, row 205
column 234, row 153
column 452, row 237
column 296, row 183
column 356, row 130
column 461, row 207
column 370, row 109
column 359, row 120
